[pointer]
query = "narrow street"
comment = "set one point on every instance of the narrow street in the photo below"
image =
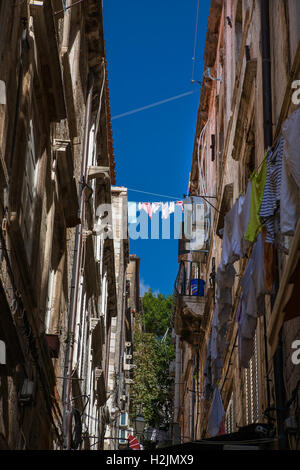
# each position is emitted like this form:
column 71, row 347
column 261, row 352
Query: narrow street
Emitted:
column 150, row 227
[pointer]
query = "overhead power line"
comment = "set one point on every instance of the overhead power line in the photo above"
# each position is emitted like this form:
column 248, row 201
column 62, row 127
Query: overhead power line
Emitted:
column 158, row 103
column 169, row 197
column 195, row 41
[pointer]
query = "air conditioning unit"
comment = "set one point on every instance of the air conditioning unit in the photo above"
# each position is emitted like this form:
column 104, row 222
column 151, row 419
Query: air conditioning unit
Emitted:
column 27, row 393
column 128, row 356
column 129, row 366
column 129, row 381
column 127, row 344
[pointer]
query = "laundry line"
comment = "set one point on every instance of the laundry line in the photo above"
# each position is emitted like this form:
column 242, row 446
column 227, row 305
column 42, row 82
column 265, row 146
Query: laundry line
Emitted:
column 147, row 205
column 168, row 197
column 151, row 208
column 155, row 194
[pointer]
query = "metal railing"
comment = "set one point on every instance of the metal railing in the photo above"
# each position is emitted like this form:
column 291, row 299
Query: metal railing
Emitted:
column 188, row 281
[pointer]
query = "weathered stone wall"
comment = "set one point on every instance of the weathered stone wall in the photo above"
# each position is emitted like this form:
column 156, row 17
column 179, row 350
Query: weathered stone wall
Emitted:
column 231, row 107
column 44, row 80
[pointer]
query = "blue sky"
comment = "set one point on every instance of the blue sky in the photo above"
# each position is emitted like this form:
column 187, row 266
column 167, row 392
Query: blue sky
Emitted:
column 149, row 50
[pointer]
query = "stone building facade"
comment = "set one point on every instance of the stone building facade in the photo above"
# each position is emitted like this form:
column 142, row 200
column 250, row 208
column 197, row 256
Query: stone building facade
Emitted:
column 57, row 276
column 248, row 105
column 121, row 338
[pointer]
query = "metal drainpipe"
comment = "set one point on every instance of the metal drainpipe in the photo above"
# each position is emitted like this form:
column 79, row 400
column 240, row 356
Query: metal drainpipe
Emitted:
column 268, row 139
column 76, row 278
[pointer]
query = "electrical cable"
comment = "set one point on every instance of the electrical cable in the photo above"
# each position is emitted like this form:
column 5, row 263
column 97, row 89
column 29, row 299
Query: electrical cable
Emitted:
column 165, row 196
column 67, row 8
column 29, row 335
column 195, row 43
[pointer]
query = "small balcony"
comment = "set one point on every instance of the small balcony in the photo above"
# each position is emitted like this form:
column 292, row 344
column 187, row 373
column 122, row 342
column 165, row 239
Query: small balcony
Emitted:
column 190, row 287
column 192, row 302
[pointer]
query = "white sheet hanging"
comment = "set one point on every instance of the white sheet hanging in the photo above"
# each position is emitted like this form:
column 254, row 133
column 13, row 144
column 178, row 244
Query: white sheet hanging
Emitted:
column 290, row 179
column 216, row 414
column 155, row 206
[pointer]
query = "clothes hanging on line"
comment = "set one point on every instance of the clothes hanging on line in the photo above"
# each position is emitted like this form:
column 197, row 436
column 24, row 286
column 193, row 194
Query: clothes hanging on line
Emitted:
column 167, row 208
column 147, row 207
column 155, row 207
column 236, row 221
column 290, row 180
column 254, row 221
column 216, row 415
column 180, row 204
column 252, row 302
column 257, row 191
column 271, row 198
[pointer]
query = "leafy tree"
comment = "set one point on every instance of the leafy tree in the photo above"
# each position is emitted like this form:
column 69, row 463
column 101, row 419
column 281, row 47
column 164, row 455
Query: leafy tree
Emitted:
column 157, row 312
column 145, row 389
column 153, row 386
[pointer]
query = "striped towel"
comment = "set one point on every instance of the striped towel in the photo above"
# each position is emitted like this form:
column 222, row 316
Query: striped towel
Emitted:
column 271, row 197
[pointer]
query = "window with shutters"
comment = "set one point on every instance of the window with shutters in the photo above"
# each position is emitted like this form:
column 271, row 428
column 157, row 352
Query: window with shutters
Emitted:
column 251, row 389
column 123, row 420
column 229, row 416
column 123, row 439
column 29, row 187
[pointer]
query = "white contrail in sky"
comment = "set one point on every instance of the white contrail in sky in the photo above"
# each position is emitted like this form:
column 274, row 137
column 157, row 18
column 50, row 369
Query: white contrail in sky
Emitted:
column 158, row 103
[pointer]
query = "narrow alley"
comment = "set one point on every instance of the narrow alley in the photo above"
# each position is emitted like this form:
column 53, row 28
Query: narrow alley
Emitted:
column 149, row 234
